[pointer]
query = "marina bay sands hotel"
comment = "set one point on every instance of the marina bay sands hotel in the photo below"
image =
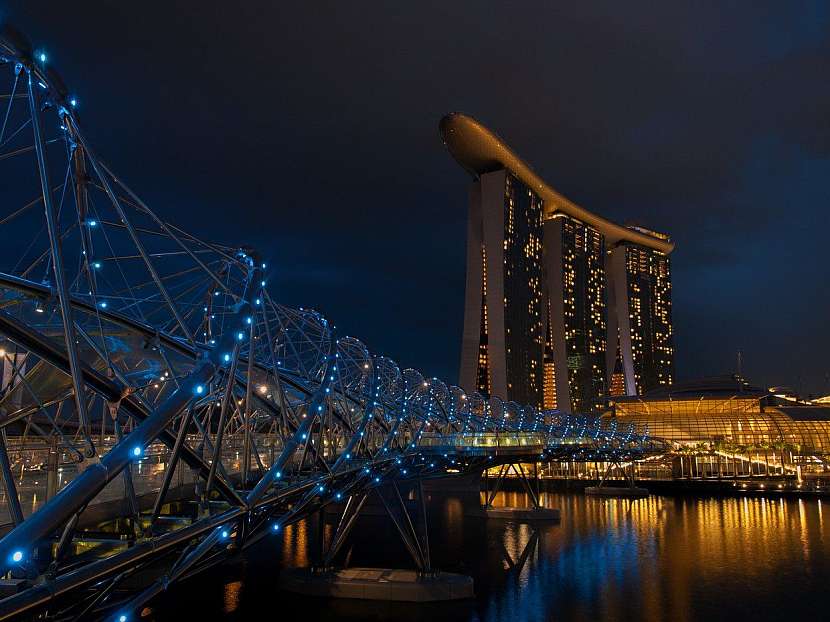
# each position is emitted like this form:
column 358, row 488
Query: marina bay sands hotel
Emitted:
column 564, row 308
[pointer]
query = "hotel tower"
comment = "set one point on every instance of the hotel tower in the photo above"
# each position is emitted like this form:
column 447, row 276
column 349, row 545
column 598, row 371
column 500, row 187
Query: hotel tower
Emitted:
column 563, row 307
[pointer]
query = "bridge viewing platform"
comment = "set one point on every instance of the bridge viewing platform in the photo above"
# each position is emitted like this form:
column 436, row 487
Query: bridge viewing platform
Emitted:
column 535, row 446
column 492, row 444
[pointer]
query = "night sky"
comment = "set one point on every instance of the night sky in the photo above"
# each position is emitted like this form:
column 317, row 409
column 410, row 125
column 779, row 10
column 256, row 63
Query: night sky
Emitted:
column 311, row 133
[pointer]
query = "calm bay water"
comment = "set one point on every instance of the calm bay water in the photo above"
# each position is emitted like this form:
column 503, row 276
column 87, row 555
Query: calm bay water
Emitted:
column 661, row 558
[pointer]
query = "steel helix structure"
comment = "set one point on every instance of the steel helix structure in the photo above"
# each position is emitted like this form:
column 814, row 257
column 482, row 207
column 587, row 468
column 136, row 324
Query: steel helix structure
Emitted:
column 159, row 410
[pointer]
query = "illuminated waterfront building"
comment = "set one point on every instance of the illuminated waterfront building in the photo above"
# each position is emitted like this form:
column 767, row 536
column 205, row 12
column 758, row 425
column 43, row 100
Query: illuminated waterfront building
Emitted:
column 641, row 305
column 544, row 291
column 732, row 427
column 576, row 290
column 504, row 330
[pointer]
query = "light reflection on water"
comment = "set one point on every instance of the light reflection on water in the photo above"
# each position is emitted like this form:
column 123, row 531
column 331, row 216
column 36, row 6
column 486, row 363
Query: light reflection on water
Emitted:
column 661, row 558
column 232, row 591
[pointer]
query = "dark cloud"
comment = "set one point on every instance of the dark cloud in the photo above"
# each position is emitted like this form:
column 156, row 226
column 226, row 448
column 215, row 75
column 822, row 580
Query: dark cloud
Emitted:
column 311, row 131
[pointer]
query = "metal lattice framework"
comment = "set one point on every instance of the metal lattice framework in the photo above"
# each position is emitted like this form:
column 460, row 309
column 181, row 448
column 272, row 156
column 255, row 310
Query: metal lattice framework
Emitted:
column 159, row 410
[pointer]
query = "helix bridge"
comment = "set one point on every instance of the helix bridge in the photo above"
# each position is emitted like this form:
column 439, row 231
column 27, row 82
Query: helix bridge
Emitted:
column 161, row 411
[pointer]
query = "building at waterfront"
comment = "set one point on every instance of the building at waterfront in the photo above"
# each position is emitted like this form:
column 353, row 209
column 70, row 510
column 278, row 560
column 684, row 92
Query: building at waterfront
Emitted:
column 577, row 312
column 730, row 426
column 504, row 329
column 640, row 293
column 557, row 298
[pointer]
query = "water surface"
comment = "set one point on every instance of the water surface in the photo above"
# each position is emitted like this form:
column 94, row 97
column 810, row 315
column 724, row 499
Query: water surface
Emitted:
column 684, row 559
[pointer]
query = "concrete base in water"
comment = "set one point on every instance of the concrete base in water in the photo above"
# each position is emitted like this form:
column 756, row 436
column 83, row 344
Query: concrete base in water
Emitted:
column 377, row 584
column 617, row 491
column 550, row 514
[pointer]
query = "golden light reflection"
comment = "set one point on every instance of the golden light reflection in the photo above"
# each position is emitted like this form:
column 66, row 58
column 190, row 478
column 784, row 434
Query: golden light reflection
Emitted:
column 668, row 547
column 231, row 596
column 295, row 545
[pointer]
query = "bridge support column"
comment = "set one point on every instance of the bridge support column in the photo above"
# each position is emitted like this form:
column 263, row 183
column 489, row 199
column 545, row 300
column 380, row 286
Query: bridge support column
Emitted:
column 348, row 517
column 424, row 584
column 630, row 489
column 536, row 511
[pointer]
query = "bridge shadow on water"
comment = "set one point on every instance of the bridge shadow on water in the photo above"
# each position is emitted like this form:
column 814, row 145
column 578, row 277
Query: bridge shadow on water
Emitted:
column 658, row 558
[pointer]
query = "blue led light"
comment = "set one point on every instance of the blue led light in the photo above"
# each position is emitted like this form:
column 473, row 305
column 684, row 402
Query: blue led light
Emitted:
column 240, row 335
column 338, row 496
column 103, row 304
column 136, row 451
column 276, row 527
column 224, row 533
column 73, row 102
column 122, row 618
column 17, row 557
column 199, row 389
column 96, row 265
column 227, row 358
column 278, row 474
column 248, row 319
column 93, row 223
column 42, row 57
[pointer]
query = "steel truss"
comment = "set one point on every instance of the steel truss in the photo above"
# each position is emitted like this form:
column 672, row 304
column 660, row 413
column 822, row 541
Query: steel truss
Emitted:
column 160, row 411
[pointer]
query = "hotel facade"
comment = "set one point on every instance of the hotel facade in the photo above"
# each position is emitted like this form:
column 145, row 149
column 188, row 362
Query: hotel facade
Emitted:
column 563, row 308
